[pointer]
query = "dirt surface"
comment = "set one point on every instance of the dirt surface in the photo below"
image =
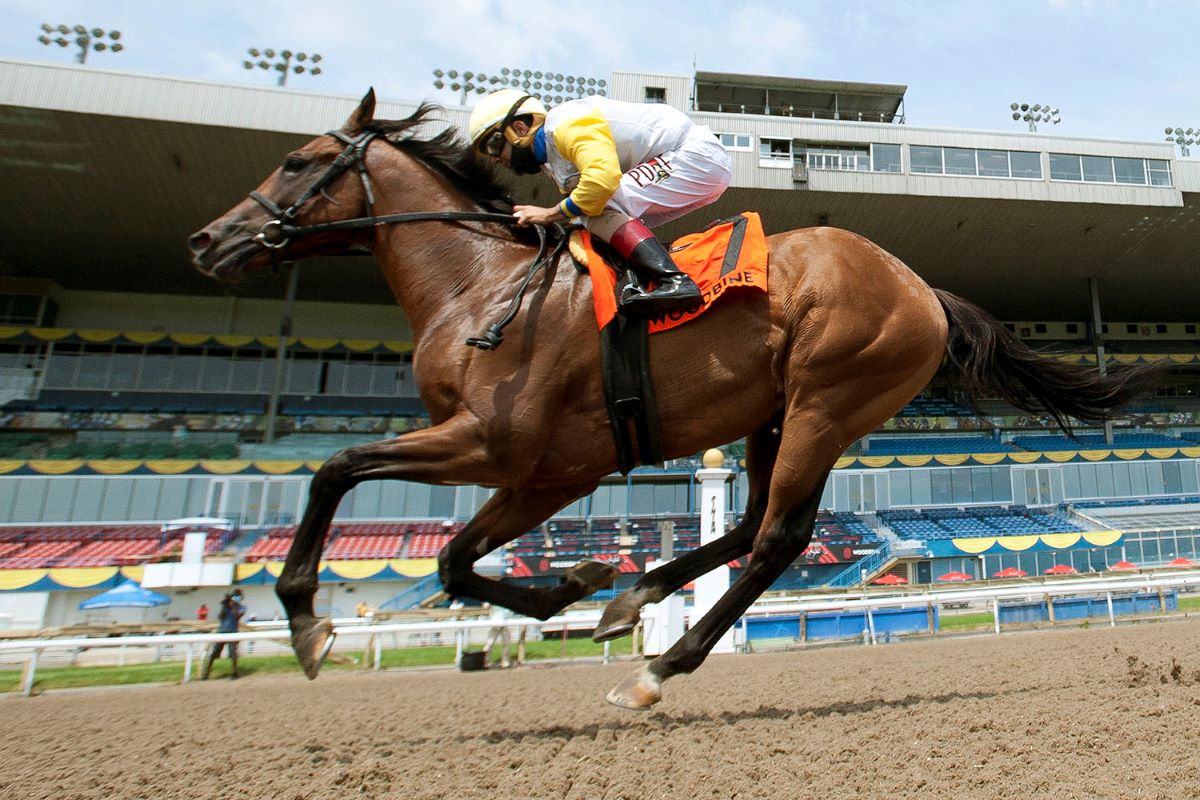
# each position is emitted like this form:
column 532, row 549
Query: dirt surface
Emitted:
column 1099, row 713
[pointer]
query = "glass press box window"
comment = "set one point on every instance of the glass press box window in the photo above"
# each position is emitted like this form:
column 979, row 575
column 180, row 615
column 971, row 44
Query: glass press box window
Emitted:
column 1110, row 169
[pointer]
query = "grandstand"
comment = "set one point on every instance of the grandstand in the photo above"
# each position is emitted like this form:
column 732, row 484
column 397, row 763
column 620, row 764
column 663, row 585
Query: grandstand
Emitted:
column 130, row 400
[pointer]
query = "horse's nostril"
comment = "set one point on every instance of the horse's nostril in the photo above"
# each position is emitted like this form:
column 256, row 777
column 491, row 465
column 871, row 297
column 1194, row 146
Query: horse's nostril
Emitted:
column 199, row 242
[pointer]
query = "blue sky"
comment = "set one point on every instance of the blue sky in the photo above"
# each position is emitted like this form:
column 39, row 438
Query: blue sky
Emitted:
column 1120, row 69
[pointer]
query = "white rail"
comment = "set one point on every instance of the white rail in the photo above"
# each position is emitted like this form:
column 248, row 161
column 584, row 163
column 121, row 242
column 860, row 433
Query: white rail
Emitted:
column 993, row 595
column 374, row 630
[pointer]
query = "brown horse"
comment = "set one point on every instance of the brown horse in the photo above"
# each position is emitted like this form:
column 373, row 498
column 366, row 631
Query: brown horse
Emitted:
column 846, row 336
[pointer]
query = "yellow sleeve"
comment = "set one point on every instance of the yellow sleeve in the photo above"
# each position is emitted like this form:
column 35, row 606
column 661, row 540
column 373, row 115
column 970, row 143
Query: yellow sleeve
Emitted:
column 588, row 143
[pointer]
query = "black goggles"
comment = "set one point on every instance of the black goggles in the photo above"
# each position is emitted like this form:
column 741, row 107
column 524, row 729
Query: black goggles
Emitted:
column 492, row 143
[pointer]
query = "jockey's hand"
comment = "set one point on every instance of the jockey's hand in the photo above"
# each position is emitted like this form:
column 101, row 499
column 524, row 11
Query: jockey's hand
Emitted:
column 536, row 215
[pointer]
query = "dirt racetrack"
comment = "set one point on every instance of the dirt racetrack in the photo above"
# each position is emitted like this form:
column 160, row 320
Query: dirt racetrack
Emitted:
column 1099, row 713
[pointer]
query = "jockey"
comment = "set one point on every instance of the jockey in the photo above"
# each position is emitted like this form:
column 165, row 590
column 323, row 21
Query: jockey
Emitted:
column 621, row 166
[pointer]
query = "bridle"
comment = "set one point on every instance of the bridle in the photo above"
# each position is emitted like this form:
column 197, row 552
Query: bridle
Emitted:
column 277, row 233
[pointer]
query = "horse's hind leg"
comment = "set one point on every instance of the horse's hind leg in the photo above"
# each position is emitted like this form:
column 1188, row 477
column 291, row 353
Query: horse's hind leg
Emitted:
column 505, row 516
column 623, row 613
column 780, row 542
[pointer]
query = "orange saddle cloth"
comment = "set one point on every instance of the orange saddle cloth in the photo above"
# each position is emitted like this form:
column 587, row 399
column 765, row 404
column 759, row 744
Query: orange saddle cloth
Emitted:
column 729, row 254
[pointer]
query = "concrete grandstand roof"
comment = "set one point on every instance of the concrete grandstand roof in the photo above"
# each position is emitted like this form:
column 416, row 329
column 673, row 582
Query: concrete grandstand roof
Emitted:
column 105, row 174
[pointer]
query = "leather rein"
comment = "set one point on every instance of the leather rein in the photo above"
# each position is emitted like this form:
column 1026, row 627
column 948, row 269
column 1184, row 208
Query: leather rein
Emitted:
column 277, row 233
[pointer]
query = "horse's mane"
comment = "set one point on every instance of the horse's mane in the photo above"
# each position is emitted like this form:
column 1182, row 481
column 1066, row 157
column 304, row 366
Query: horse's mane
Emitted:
column 448, row 155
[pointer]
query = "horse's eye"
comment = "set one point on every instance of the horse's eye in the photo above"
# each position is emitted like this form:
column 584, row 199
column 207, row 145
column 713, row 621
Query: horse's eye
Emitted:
column 294, row 164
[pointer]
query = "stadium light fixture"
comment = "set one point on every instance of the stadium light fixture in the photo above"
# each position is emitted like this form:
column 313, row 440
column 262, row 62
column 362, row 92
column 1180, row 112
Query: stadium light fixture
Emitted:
column 281, row 62
column 1183, row 138
column 549, row 87
column 87, row 39
column 1033, row 114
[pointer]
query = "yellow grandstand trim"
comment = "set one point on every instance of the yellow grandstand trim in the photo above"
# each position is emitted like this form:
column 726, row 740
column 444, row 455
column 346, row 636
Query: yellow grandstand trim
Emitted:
column 230, row 340
column 1017, row 542
column 81, row 577
column 97, row 336
column 7, row 332
column 1060, row 456
column 1061, row 540
column 359, row 569
column 399, row 347
column 10, row 465
column 360, row 345
column 243, row 571
column 115, row 466
column 974, row 544
column 880, row 461
column 1129, row 454
column 1025, row 458
column 11, row 579
column 275, row 568
column 278, row 467
column 1094, row 455
column 189, row 339
column 134, row 573
column 171, row 466
column 1161, row 452
column 413, row 567
column 224, row 467
column 952, row 459
column 841, row 463
column 1103, row 538
column 318, row 344
column 49, row 467
column 988, row 458
column 49, row 334
column 144, row 337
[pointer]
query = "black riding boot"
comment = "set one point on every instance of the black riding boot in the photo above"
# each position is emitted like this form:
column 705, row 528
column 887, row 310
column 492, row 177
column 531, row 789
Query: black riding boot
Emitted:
column 651, row 262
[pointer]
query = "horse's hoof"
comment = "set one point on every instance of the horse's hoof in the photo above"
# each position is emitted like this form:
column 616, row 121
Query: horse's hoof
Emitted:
column 592, row 575
column 312, row 640
column 619, row 618
column 638, row 692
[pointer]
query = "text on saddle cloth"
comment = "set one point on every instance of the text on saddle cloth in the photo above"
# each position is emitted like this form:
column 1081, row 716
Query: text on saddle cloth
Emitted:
column 729, row 253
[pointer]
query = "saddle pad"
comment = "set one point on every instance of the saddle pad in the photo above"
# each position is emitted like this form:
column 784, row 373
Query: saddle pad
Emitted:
column 728, row 254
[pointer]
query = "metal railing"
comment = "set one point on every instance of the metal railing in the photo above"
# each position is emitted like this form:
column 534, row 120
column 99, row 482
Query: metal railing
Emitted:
column 869, row 564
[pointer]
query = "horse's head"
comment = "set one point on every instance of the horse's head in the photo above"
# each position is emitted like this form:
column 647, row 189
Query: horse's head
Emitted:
column 318, row 183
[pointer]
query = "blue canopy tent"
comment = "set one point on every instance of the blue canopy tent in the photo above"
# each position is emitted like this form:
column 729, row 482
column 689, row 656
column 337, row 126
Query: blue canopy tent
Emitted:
column 128, row 595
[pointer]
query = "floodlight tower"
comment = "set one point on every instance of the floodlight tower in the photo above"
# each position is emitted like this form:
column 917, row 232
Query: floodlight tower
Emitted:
column 549, row 87
column 1033, row 114
column 282, row 62
column 88, row 39
column 1183, row 138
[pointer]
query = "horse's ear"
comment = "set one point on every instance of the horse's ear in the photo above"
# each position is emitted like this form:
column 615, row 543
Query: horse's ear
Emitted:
column 362, row 115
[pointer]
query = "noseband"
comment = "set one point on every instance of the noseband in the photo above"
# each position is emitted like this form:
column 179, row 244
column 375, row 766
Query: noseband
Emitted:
column 277, row 233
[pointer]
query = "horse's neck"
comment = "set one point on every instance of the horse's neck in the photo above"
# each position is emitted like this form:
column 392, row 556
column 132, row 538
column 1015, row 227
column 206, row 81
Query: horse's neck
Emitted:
column 440, row 271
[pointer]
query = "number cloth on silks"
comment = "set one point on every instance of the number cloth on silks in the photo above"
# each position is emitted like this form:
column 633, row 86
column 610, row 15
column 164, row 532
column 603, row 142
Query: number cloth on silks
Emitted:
column 730, row 253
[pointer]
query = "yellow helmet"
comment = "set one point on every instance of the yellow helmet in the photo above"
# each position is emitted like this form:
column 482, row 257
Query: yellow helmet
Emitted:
column 495, row 113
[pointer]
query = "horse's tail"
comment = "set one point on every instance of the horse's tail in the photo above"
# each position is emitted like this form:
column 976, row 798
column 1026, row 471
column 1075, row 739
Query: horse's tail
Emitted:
column 987, row 359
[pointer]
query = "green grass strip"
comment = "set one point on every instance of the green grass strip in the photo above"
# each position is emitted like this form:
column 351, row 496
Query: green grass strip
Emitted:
column 172, row 671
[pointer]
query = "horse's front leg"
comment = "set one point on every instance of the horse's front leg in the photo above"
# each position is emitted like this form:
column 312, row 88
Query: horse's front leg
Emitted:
column 453, row 452
column 505, row 516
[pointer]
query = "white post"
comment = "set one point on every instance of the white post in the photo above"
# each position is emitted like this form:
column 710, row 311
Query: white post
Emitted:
column 1112, row 618
column 378, row 651
column 30, row 671
column 711, row 586
column 187, row 663
column 996, row 612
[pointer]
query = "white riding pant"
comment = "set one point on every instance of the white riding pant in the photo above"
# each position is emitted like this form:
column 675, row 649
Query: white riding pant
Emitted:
column 671, row 184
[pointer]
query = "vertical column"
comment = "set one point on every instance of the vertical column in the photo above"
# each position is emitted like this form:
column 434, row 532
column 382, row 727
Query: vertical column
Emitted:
column 1098, row 340
column 713, row 508
column 285, row 332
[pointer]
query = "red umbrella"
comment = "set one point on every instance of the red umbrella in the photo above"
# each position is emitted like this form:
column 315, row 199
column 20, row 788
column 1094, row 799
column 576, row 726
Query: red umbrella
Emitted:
column 1181, row 562
column 889, row 580
column 1124, row 565
column 1061, row 569
column 955, row 576
column 1011, row 572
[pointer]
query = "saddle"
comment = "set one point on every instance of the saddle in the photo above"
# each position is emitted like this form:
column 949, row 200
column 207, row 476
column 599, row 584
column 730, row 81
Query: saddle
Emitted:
column 728, row 253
